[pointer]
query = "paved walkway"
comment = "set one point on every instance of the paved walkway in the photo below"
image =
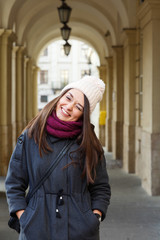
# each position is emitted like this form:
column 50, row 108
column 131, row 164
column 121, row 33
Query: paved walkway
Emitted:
column 132, row 215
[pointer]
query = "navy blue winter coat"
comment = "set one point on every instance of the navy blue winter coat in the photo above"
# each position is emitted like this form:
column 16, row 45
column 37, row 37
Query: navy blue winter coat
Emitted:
column 64, row 189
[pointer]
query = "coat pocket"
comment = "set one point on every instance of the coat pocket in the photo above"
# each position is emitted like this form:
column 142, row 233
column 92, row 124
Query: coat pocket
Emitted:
column 25, row 218
column 83, row 221
column 28, row 213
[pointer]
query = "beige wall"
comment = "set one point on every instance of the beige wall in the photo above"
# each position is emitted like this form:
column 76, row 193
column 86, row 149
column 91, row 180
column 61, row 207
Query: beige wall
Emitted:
column 149, row 16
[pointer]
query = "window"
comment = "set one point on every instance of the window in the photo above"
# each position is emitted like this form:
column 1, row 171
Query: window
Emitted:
column 45, row 52
column 43, row 77
column 85, row 72
column 84, row 51
column 62, row 51
column 44, row 98
column 64, row 77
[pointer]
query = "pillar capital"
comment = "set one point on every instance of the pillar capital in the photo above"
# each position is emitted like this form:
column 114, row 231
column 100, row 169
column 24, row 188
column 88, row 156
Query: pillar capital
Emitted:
column 30, row 61
column 8, row 33
column 36, row 68
column 26, row 59
column 102, row 67
column 21, row 49
column 15, row 48
column 13, row 37
column 102, row 71
column 117, row 48
column 130, row 35
column 148, row 11
column 129, row 31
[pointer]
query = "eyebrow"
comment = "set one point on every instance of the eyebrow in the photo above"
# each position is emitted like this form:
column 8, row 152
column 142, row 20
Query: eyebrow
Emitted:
column 73, row 97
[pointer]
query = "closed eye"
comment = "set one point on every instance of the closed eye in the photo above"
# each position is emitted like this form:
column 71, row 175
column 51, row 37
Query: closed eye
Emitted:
column 68, row 97
column 79, row 108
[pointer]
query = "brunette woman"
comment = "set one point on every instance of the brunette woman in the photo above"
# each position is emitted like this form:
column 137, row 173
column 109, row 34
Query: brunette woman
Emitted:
column 73, row 200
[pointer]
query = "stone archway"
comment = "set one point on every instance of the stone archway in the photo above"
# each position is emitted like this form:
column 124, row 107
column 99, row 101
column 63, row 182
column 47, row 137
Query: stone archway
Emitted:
column 115, row 29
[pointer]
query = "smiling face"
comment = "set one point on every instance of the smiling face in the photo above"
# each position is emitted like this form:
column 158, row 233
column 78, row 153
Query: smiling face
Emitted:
column 70, row 106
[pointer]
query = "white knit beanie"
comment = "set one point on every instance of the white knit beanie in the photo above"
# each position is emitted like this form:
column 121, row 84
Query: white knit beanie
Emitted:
column 91, row 86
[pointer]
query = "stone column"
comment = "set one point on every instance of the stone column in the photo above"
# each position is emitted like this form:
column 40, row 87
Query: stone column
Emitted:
column 109, row 104
column 118, row 104
column 19, row 89
column 102, row 117
column 149, row 16
column 26, row 59
column 6, row 40
column 29, row 90
column 14, row 133
column 129, row 100
column 35, row 90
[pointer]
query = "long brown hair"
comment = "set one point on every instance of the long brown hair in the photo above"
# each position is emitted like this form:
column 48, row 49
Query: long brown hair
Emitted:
column 90, row 147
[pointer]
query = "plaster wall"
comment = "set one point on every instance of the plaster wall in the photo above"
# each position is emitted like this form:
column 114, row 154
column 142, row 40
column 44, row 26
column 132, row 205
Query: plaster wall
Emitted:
column 150, row 138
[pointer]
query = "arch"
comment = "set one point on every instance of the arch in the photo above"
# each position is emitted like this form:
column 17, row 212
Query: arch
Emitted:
column 90, row 20
column 90, row 35
column 121, row 9
column 43, row 9
column 5, row 9
column 51, row 17
column 13, row 13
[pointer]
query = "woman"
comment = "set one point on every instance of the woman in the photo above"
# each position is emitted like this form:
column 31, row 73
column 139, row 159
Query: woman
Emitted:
column 74, row 198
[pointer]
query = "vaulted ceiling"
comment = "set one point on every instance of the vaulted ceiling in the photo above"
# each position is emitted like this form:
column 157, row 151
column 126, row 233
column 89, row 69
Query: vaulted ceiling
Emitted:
column 36, row 22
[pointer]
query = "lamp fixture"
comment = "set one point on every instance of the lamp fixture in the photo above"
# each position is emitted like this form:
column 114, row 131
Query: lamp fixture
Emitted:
column 67, row 48
column 65, row 32
column 64, row 12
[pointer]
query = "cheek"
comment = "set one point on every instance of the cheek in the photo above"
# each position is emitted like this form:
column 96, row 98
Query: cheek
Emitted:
column 58, row 106
column 59, row 103
column 78, row 114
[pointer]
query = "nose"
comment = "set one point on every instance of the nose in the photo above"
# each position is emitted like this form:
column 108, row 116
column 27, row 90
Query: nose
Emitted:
column 70, row 106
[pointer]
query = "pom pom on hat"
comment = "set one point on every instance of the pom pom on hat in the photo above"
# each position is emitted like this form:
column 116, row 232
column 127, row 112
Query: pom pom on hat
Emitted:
column 91, row 86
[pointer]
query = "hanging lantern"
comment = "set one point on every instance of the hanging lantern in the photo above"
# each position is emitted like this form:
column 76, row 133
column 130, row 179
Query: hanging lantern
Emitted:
column 65, row 32
column 64, row 12
column 67, row 48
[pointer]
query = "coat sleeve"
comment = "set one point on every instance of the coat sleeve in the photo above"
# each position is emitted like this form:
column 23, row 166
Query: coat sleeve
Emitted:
column 100, row 191
column 16, row 181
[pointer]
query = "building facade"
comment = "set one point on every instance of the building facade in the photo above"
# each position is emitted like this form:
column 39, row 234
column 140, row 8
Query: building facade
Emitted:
column 56, row 69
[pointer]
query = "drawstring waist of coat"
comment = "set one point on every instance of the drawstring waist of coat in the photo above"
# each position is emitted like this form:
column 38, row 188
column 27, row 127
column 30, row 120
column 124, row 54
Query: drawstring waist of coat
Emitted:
column 59, row 201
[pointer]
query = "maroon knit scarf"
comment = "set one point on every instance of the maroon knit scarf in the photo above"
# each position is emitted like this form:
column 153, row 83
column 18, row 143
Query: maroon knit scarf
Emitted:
column 62, row 129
